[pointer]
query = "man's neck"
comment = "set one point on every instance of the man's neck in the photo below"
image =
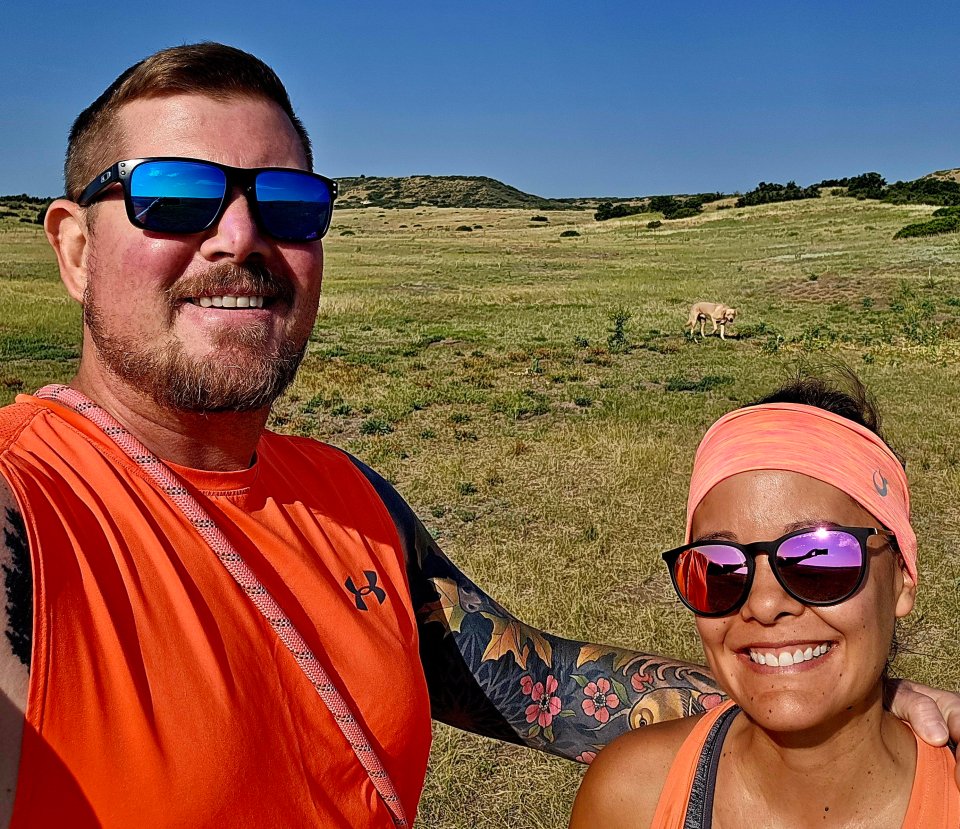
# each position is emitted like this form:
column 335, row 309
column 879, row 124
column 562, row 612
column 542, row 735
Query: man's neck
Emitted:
column 216, row 441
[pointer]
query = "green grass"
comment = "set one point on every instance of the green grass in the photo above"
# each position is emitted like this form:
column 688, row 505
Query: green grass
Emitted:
column 476, row 371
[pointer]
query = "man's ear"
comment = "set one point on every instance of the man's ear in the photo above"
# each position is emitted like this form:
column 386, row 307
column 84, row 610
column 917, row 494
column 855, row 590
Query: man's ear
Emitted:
column 66, row 228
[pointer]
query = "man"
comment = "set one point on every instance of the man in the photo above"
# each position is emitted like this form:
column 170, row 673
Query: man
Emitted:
column 228, row 626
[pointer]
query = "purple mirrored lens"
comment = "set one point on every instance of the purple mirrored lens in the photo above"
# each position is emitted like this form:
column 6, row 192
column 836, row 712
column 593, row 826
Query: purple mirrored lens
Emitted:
column 822, row 565
column 711, row 578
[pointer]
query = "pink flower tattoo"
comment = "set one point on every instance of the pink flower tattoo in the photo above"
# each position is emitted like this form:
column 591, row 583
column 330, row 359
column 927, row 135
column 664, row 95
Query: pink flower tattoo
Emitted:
column 640, row 681
column 599, row 701
column 546, row 704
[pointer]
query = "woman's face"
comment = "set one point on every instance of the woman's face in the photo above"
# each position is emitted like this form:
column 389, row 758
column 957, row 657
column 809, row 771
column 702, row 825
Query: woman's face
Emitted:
column 856, row 634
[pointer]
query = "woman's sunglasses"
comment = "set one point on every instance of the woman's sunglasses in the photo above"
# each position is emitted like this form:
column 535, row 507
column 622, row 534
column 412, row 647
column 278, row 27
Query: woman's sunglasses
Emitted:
column 817, row 566
column 186, row 195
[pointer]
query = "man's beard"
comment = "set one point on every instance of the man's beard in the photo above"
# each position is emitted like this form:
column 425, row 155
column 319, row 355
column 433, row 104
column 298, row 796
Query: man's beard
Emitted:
column 241, row 376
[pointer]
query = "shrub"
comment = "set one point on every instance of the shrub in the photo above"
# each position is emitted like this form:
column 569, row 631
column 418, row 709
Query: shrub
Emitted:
column 767, row 193
column 942, row 224
column 465, row 228
column 375, row 426
column 608, row 210
column 568, row 233
column 654, row 224
column 347, row 233
column 617, row 338
column 539, row 219
column 924, row 191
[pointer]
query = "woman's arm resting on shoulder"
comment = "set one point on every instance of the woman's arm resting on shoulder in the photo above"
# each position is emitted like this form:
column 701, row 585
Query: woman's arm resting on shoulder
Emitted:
column 491, row 674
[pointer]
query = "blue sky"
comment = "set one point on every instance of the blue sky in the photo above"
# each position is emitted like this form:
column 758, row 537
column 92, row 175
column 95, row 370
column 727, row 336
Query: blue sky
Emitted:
column 556, row 98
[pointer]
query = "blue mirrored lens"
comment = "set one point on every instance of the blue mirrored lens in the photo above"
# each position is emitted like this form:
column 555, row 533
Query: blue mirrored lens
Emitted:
column 176, row 196
column 294, row 206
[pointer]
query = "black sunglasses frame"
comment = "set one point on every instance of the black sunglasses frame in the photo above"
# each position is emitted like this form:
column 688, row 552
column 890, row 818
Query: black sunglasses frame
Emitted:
column 769, row 549
column 242, row 177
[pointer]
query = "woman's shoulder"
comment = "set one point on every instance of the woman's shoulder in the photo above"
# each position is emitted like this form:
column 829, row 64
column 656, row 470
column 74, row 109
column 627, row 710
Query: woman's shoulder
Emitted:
column 623, row 784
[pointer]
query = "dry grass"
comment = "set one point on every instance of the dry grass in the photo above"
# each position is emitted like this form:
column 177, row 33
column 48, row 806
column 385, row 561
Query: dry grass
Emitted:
column 553, row 468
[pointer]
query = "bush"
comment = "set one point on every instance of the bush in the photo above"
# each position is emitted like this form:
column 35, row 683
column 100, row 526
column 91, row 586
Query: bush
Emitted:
column 608, row 210
column 568, row 233
column 767, row 193
column 539, row 219
column 465, row 228
column 924, row 191
column 617, row 338
column 347, row 233
column 375, row 426
column 942, row 224
column 654, row 224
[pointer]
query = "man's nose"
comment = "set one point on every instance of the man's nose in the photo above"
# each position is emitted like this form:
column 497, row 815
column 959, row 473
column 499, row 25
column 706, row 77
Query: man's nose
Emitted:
column 236, row 235
column 767, row 600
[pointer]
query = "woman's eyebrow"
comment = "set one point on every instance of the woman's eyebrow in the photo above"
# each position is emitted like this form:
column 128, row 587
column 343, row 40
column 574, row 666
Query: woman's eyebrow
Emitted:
column 805, row 524
column 718, row 535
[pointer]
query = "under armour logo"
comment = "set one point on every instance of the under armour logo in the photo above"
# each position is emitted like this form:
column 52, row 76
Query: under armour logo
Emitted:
column 880, row 487
column 370, row 588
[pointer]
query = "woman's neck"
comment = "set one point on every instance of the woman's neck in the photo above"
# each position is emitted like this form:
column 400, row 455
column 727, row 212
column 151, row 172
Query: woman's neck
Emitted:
column 855, row 773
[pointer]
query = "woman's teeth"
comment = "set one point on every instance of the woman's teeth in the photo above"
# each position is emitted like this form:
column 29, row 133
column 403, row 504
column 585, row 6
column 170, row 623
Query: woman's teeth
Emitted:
column 787, row 658
column 229, row 301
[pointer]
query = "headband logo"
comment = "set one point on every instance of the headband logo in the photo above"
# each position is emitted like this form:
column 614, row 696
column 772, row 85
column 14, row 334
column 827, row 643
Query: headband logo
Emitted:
column 880, row 487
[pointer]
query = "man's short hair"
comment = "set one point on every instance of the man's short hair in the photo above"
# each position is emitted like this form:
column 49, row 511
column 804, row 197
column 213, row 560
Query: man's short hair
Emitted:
column 211, row 69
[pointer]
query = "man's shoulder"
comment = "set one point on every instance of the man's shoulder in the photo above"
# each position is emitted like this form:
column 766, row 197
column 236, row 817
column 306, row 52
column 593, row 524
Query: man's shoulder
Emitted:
column 14, row 418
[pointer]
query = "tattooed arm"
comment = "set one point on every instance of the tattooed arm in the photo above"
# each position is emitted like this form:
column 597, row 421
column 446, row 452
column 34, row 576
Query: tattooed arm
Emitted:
column 489, row 673
column 17, row 627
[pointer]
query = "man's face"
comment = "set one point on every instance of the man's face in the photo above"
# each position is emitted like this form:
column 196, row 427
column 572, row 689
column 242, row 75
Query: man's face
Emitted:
column 143, row 316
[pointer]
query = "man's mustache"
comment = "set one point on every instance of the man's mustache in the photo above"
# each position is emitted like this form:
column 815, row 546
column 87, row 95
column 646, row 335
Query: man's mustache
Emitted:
column 228, row 278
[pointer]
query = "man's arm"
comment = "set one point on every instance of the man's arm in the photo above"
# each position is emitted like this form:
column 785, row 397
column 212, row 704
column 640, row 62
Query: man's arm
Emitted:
column 491, row 674
column 16, row 623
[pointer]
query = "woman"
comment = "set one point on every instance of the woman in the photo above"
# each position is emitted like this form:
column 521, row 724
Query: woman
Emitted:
column 796, row 629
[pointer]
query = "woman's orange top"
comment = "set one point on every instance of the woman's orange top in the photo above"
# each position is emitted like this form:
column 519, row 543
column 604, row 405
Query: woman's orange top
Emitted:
column 159, row 696
column 934, row 799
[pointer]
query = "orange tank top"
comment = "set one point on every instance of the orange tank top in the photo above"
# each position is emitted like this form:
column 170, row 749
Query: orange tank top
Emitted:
column 159, row 696
column 934, row 799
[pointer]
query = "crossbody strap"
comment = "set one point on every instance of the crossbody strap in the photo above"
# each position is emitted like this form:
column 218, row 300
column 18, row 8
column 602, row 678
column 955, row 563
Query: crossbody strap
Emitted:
column 170, row 485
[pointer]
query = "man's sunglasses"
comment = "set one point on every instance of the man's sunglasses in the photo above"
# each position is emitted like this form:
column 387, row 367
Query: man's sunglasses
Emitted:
column 186, row 195
column 817, row 566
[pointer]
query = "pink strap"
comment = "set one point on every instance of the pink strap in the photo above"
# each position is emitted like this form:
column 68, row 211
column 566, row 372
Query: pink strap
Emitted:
column 168, row 482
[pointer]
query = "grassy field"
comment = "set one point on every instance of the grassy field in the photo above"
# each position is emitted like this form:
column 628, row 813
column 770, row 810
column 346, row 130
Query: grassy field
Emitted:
column 536, row 400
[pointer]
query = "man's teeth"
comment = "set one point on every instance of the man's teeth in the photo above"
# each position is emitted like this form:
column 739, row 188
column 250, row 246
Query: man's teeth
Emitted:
column 787, row 658
column 230, row 301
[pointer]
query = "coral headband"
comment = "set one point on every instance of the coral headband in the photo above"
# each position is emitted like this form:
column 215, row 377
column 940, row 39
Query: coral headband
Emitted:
column 814, row 442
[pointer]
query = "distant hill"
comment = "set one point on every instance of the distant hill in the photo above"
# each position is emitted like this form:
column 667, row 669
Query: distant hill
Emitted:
column 946, row 175
column 444, row 191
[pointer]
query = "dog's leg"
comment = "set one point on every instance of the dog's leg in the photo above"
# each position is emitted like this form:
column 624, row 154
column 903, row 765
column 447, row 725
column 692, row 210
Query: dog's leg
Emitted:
column 722, row 326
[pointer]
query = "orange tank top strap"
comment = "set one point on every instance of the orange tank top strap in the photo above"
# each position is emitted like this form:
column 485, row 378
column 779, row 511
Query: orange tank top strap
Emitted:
column 935, row 799
column 684, row 788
